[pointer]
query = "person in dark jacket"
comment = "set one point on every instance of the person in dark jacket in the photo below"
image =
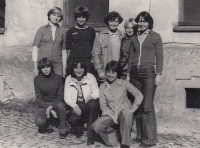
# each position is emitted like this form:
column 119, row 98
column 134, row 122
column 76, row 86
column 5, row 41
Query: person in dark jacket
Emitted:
column 49, row 93
column 80, row 39
column 145, row 69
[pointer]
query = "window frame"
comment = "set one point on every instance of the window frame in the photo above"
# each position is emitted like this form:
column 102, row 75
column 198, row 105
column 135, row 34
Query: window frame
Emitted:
column 182, row 26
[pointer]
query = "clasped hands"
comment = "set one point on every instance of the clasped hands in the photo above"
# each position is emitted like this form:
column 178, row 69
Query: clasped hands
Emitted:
column 49, row 110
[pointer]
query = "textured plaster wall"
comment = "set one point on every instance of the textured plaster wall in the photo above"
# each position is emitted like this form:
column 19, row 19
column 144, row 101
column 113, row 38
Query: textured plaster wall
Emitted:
column 24, row 17
column 181, row 60
column 181, row 70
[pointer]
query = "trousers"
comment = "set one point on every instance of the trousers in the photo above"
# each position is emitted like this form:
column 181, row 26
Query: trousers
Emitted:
column 143, row 78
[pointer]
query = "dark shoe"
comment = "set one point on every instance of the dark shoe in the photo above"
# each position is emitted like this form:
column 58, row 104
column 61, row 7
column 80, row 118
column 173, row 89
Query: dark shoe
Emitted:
column 147, row 145
column 137, row 140
column 79, row 132
column 124, row 146
column 63, row 136
column 90, row 141
column 44, row 130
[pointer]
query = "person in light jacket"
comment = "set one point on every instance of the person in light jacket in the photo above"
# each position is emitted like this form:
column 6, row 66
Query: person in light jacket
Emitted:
column 81, row 94
column 107, row 44
column 116, row 107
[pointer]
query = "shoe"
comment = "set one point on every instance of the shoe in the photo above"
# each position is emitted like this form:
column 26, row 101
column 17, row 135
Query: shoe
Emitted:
column 137, row 140
column 79, row 132
column 44, row 130
column 147, row 145
column 63, row 136
column 124, row 146
column 90, row 141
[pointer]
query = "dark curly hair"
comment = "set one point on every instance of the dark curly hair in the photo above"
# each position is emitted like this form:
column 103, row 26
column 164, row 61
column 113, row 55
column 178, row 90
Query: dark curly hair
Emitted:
column 112, row 15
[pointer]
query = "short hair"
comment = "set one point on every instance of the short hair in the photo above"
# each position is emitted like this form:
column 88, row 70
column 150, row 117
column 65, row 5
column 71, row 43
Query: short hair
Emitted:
column 55, row 10
column 75, row 64
column 147, row 17
column 44, row 62
column 112, row 15
column 81, row 11
column 115, row 67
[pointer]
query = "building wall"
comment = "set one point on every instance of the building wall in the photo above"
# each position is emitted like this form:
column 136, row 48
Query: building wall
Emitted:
column 181, row 52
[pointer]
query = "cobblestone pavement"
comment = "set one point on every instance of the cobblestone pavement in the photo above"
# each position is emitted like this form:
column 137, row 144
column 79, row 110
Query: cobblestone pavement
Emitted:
column 17, row 130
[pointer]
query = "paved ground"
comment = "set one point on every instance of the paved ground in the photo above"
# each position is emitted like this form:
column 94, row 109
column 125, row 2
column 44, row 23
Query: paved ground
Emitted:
column 17, row 130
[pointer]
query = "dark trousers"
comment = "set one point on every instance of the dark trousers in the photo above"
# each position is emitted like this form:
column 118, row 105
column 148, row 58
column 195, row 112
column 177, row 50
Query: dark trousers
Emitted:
column 90, row 67
column 42, row 121
column 89, row 114
column 143, row 78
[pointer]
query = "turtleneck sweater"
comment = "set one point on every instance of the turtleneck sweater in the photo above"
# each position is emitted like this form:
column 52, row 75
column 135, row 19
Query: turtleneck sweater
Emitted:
column 48, row 89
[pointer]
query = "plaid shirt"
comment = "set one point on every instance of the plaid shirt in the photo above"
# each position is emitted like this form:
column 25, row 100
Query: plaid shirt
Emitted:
column 114, row 100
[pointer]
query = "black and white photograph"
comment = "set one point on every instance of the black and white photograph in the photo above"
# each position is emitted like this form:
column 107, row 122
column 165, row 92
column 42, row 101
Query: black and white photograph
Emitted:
column 99, row 73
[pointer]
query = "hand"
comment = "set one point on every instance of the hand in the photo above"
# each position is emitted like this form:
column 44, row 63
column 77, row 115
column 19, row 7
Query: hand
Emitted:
column 35, row 71
column 48, row 110
column 64, row 71
column 89, row 97
column 102, row 75
column 130, row 111
column 158, row 79
column 77, row 110
column 54, row 114
column 114, row 118
column 128, row 78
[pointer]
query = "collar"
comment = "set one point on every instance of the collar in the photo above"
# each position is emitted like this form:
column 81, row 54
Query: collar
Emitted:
column 85, row 27
column 49, row 25
column 106, row 31
column 119, row 83
column 146, row 32
column 74, row 81
column 113, row 33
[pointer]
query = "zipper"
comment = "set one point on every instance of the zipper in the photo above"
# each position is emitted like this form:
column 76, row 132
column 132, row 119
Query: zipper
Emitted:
column 141, row 42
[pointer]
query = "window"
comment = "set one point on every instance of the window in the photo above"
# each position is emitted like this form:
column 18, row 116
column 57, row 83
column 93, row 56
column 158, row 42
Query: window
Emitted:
column 189, row 16
column 192, row 97
column 97, row 9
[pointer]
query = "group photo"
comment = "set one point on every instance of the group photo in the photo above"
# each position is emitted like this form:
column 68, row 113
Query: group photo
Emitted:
column 89, row 73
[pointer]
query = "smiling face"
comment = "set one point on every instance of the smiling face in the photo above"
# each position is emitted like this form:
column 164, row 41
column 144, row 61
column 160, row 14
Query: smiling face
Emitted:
column 113, row 24
column 129, row 29
column 142, row 24
column 79, row 71
column 46, row 70
column 81, row 21
column 55, row 18
column 111, row 76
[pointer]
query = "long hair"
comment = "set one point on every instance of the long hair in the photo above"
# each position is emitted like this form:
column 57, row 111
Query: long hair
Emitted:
column 75, row 64
column 147, row 17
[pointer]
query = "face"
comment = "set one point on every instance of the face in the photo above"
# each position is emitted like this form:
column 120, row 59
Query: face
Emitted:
column 129, row 29
column 113, row 24
column 79, row 71
column 46, row 70
column 111, row 75
column 142, row 24
column 81, row 20
column 55, row 18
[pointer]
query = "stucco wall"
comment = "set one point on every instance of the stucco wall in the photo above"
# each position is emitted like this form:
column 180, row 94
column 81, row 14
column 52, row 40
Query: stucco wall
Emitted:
column 181, row 61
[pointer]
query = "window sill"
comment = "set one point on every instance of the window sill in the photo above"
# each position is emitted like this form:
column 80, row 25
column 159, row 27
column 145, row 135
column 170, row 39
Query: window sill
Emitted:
column 186, row 29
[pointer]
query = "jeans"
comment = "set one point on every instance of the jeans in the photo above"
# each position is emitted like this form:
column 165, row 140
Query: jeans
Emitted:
column 103, row 126
column 143, row 78
column 89, row 114
column 42, row 121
